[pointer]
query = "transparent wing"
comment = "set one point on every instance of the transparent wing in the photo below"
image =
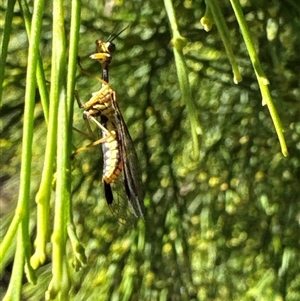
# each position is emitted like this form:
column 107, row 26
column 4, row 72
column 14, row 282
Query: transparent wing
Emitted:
column 118, row 201
column 131, row 172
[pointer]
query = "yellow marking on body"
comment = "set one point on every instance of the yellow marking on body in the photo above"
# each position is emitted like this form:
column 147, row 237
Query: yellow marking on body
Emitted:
column 112, row 158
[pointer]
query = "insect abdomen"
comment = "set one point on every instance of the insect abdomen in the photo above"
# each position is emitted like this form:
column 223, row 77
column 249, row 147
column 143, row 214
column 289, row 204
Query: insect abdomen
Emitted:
column 113, row 164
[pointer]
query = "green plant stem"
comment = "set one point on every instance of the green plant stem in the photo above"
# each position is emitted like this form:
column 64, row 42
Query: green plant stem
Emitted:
column 178, row 42
column 58, row 285
column 13, row 292
column 78, row 250
column 22, row 210
column 42, row 198
column 72, row 65
column 40, row 76
column 72, row 59
column 207, row 20
column 4, row 41
column 261, row 78
column 214, row 9
column 80, row 259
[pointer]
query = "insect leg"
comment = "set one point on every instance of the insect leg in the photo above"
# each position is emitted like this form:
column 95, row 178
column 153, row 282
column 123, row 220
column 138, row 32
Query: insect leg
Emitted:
column 89, row 73
column 90, row 135
column 80, row 149
column 87, row 118
column 76, row 94
column 99, row 141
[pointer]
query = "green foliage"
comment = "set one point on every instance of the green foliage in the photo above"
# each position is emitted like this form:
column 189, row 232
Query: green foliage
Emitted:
column 221, row 226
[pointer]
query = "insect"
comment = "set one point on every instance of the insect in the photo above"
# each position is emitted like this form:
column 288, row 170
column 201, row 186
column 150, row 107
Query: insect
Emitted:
column 121, row 172
column 104, row 52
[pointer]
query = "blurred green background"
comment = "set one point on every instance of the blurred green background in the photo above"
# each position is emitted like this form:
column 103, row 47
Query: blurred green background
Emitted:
column 221, row 227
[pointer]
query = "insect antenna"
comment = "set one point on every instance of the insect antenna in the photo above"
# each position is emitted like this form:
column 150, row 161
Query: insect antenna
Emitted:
column 111, row 37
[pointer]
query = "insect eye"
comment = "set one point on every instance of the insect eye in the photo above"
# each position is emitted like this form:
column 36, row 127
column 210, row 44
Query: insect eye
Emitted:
column 111, row 47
